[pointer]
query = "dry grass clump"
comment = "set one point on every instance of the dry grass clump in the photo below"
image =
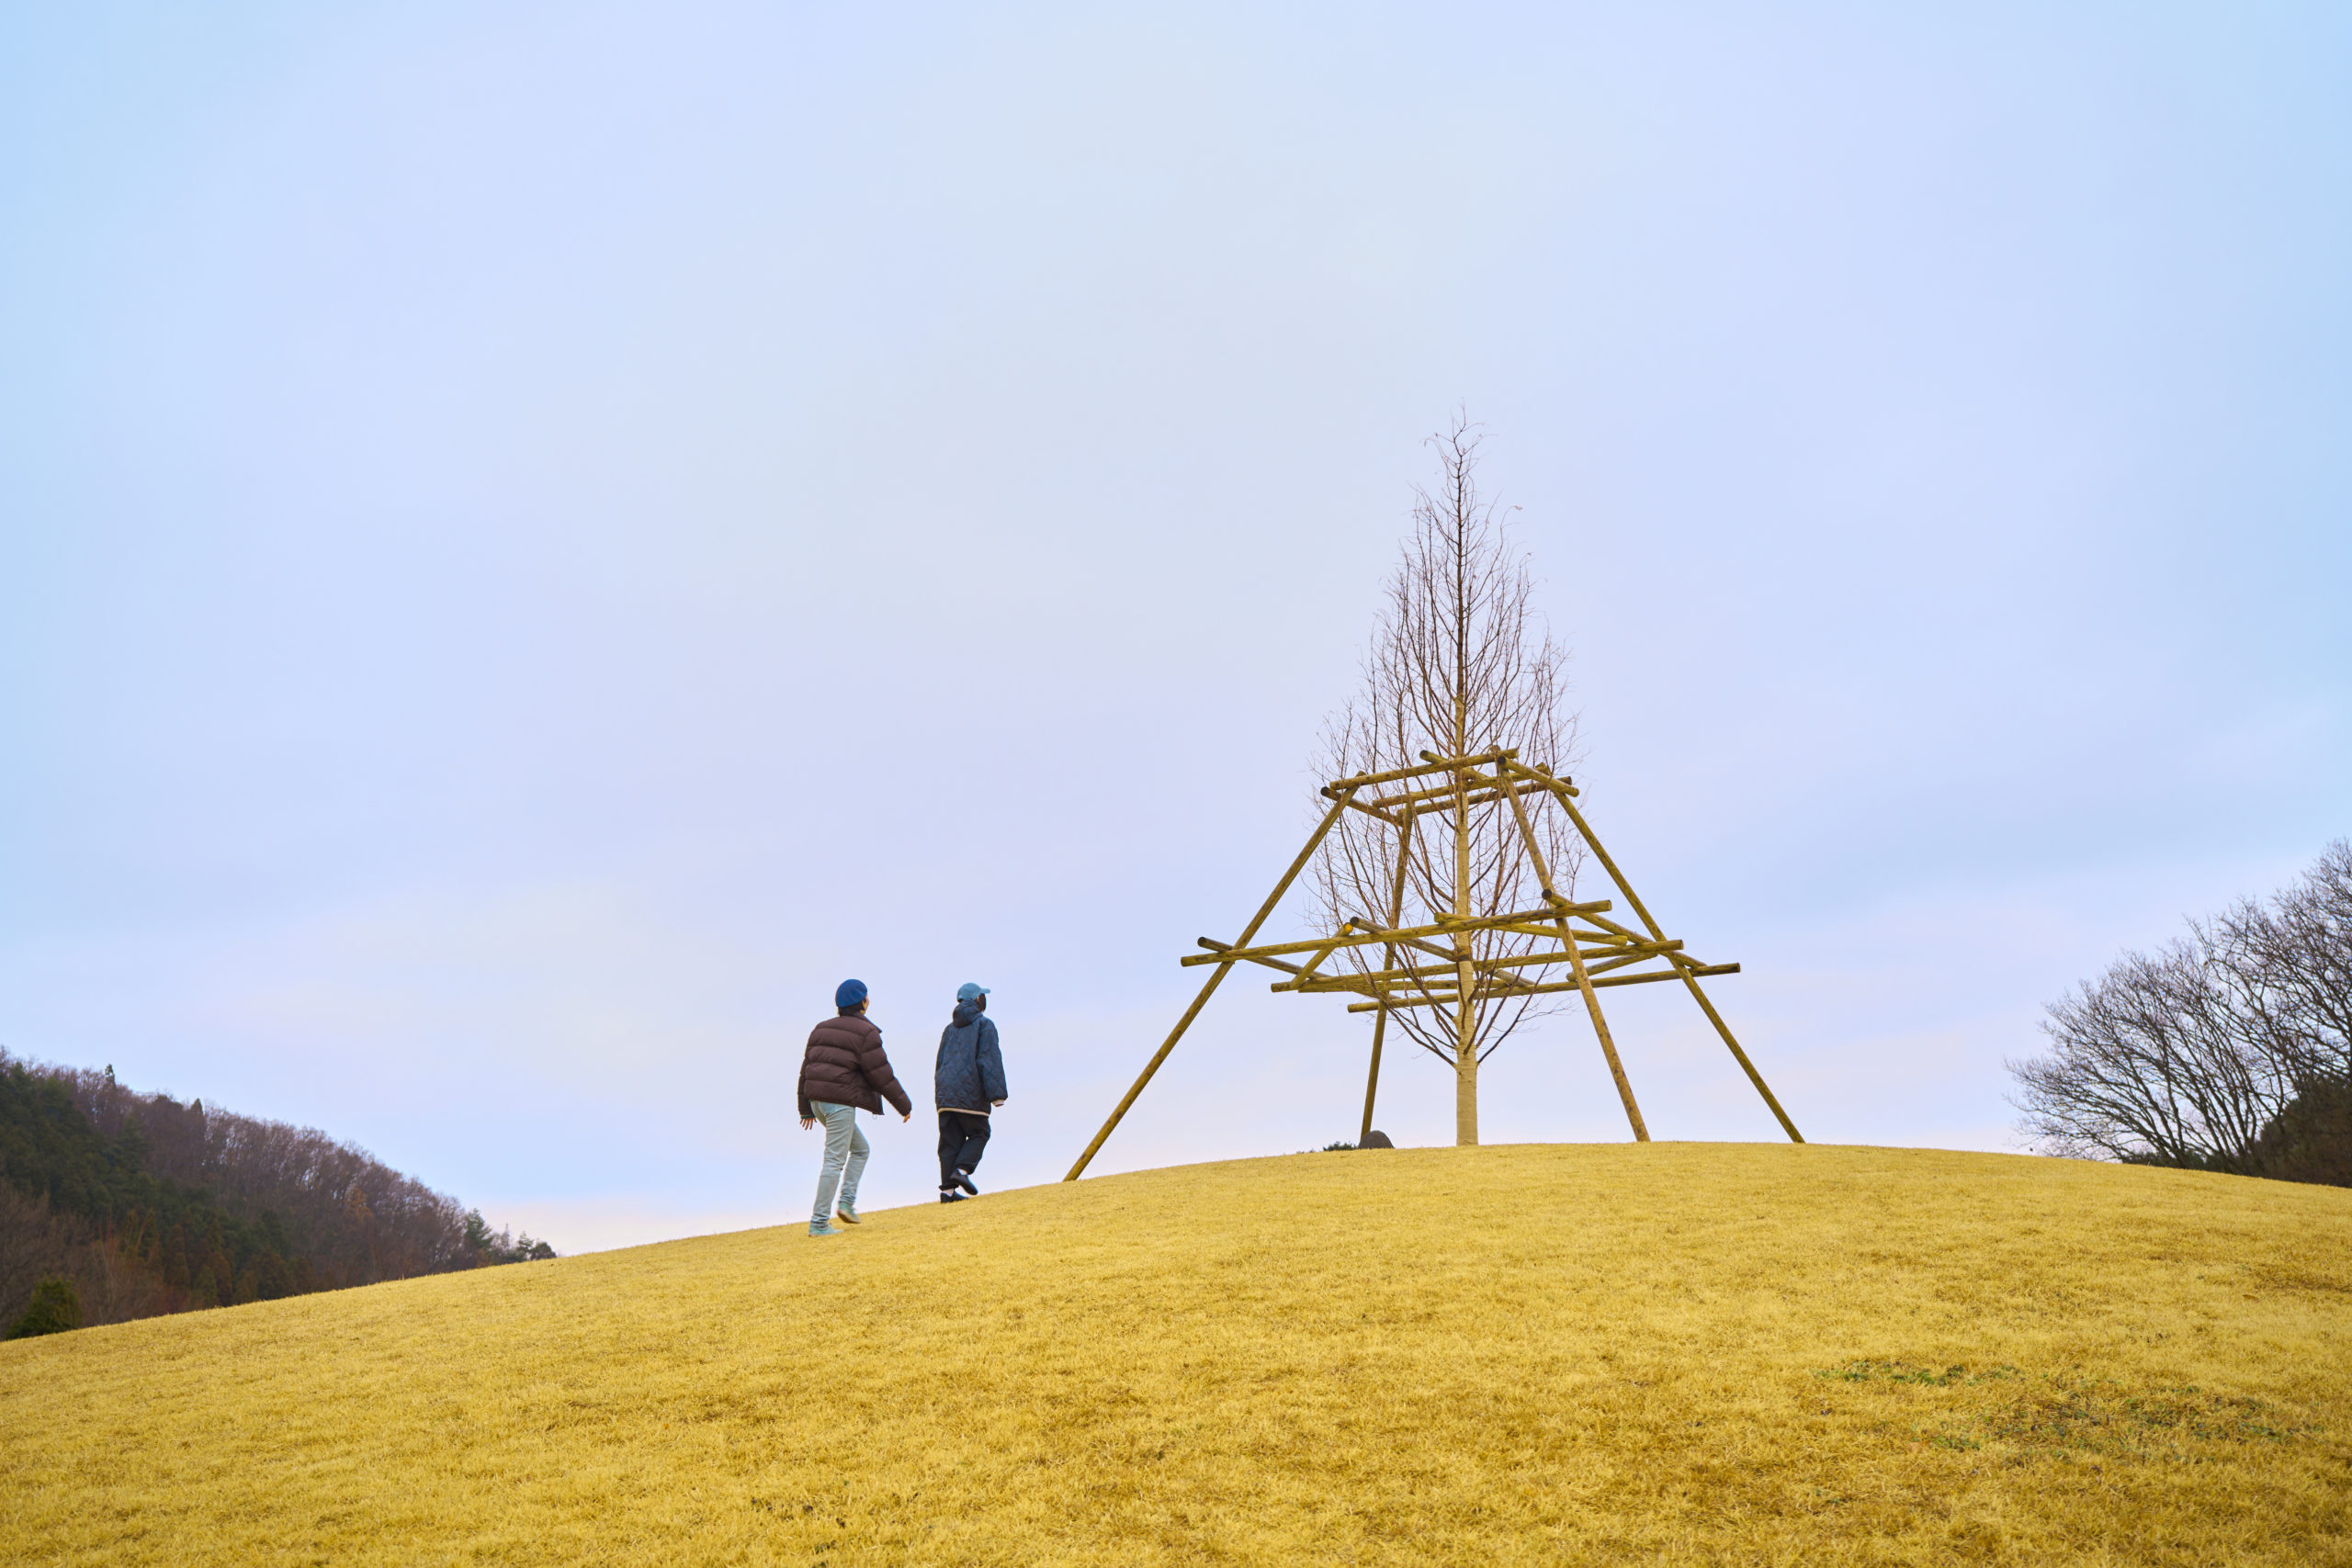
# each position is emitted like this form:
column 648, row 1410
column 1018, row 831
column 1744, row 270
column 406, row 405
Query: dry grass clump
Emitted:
column 1665, row 1353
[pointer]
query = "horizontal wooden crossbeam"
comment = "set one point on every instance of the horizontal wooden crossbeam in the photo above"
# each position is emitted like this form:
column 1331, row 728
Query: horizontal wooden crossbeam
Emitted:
column 1429, row 765
column 1614, row 957
column 1530, row 771
column 1222, row 949
column 1219, row 953
column 1436, row 997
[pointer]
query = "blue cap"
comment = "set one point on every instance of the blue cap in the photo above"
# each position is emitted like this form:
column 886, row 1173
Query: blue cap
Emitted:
column 968, row 992
column 849, row 993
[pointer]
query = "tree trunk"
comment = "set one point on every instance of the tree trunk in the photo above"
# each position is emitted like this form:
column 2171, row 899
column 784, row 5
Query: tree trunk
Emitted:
column 1466, row 1018
column 1465, row 1074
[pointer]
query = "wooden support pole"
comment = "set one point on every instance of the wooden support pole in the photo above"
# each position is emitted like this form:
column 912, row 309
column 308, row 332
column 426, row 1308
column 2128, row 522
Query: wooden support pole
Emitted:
column 1691, row 980
column 1560, row 792
column 1608, row 1047
column 1372, row 1078
column 1575, row 964
column 1183, row 1023
column 1207, row 990
column 1387, row 961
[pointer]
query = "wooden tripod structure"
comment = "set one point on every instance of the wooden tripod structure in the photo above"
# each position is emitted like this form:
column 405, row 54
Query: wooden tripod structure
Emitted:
column 1433, row 966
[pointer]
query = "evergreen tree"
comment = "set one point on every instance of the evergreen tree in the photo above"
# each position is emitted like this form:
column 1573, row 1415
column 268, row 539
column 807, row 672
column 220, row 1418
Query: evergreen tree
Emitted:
column 55, row 1308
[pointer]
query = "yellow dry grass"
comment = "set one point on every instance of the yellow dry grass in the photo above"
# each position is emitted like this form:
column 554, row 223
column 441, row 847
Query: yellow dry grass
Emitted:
column 1667, row 1353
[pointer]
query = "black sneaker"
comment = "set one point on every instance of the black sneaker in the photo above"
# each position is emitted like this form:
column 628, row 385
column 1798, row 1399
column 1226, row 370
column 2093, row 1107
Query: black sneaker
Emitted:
column 951, row 1197
column 964, row 1180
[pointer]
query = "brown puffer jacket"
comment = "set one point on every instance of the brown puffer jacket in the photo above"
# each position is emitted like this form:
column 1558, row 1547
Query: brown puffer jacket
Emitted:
column 844, row 1065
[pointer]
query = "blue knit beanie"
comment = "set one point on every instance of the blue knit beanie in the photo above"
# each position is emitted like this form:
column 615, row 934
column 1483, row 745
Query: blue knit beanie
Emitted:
column 849, row 994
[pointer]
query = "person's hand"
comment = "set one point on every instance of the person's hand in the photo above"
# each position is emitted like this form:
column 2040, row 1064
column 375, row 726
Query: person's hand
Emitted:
column 807, row 1123
column 996, row 1105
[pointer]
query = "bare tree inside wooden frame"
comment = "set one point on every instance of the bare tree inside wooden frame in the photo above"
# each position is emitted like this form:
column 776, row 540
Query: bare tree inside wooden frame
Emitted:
column 1458, row 662
column 1437, row 813
column 1438, row 965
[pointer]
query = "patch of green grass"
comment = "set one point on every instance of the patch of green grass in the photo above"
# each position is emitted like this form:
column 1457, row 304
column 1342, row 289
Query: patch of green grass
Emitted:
column 1902, row 1372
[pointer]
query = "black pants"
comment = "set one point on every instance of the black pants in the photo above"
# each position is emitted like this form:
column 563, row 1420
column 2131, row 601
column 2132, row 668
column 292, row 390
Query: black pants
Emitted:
column 962, row 1136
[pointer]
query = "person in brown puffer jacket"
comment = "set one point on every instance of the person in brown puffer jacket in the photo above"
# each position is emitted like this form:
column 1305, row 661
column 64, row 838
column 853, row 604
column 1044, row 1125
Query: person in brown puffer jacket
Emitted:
column 843, row 1071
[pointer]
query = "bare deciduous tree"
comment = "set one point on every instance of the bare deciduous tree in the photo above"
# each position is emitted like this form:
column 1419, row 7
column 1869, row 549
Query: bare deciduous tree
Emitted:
column 1459, row 662
column 2230, row 1051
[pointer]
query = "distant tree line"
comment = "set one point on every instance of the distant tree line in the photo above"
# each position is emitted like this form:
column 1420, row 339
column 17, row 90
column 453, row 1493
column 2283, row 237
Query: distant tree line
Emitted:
column 117, row 1205
column 2229, row 1051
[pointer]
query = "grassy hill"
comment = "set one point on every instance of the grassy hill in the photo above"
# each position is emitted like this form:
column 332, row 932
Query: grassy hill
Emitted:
column 1538, row 1354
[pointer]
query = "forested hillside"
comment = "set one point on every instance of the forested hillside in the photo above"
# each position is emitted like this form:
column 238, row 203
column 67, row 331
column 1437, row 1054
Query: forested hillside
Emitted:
column 143, row 1205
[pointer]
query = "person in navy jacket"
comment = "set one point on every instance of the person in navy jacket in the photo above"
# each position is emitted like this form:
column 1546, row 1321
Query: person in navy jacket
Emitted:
column 968, row 1084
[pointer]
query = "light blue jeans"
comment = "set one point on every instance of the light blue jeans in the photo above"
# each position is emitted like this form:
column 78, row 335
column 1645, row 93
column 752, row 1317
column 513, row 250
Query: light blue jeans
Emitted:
column 845, row 1152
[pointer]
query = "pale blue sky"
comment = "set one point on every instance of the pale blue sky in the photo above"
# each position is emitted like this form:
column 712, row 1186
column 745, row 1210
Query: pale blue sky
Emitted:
column 533, row 540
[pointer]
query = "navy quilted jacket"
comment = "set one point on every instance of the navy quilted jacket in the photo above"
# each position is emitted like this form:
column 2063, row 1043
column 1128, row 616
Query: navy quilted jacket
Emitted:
column 970, row 1075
